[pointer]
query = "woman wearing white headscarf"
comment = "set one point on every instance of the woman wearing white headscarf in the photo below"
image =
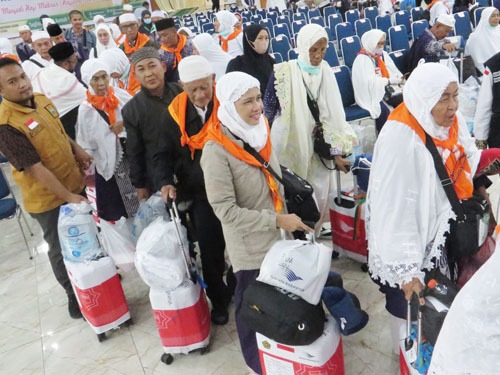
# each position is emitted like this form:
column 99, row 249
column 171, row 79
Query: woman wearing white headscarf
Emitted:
column 101, row 133
column 104, row 41
column 292, row 129
column 484, row 41
column 372, row 71
column 209, row 49
column 229, row 38
column 245, row 197
column 408, row 211
column 119, row 67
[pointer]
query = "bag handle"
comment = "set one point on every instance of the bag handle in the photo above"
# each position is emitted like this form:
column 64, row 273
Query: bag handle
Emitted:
column 446, row 181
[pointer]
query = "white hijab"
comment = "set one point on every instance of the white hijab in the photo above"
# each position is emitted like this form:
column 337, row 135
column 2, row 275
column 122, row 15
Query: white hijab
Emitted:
column 226, row 20
column 229, row 89
column 307, row 36
column 370, row 39
column 484, row 42
column 98, row 45
column 209, row 49
column 423, row 90
column 117, row 62
column 90, row 68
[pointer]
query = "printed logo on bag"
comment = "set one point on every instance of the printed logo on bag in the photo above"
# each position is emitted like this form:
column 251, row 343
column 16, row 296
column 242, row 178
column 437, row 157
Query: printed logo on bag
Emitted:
column 266, row 345
column 289, row 274
column 90, row 299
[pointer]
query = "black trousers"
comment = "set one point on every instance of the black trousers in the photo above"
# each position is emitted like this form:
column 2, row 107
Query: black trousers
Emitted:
column 208, row 232
column 215, row 5
column 48, row 222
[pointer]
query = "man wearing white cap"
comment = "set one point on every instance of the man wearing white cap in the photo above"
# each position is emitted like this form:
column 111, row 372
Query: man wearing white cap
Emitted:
column 432, row 42
column 24, row 49
column 128, row 8
column 437, row 8
column 180, row 153
column 41, row 43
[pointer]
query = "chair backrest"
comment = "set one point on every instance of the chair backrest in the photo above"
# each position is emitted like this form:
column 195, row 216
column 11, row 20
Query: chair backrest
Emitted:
column 277, row 57
column 293, row 54
column 187, row 17
column 418, row 27
column 318, row 20
column 273, row 16
column 398, row 38
column 208, row 28
column 333, row 20
column 350, row 47
column 416, row 13
column 327, row 11
column 483, row 3
column 305, row 11
column 331, row 34
column 362, row 26
column 297, row 25
column 268, row 24
column 273, row 9
column 246, row 15
column 462, row 24
column 300, row 17
column 343, row 30
column 4, row 185
column 284, row 19
column 281, row 44
column 371, row 13
column 282, row 29
column 256, row 18
column 194, row 29
column 331, row 56
column 343, row 77
column 314, row 13
column 352, row 16
column 477, row 16
column 262, row 13
column 383, row 22
column 188, row 23
column 400, row 59
column 403, row 18
column 246, row 24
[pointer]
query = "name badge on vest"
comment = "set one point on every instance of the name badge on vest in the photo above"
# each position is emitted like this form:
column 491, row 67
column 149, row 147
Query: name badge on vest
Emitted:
column 378, row 71
column 33, row 126
column 52, row 110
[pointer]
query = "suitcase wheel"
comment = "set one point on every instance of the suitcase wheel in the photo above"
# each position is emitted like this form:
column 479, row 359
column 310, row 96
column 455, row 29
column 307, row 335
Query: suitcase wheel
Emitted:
column 101, row 336
column 364, row 267
column 167, row 358
column 128, row 323
column 204, row 350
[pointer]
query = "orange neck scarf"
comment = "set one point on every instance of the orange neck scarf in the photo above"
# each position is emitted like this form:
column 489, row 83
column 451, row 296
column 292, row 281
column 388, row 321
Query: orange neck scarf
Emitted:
column 216, row 134
column 140, row 42
column 107, row 103
column 178, row 109
column 378, row 61
column 456, row 162
column 224, row 42
column 181, row 43
column 433, row 2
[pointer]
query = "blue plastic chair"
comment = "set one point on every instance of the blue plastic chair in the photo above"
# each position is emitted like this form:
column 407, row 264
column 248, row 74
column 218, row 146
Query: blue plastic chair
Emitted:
column 189, row 23
column 383, row 22
column 477, row 16
column 400, row 59
column 284, row 19
column 352, row 16
column 282, row 29
column 371, row 13
column 398, row 38
column 416, row 14
column 418, row 28
column 273, row 16
column 350, row 47
column 246, row 15
column 331, row 34
column 318, row 20
column 362, row 26
column 273, row 9
column 403, row 18
column 314, row 13
column 483, row 3
column 246, row 24
column 305, row 11
column 281, row 44
column 262, row 13
column 462, row 25
column 353, row 112
column 268, row 24
column 332, row 21
column 194, row 29
column 300, row 17
column 331, row 56
column 9, row 208
column 256, row 18
column 344, row 30
column 297, row 25
column 293, row 54
column 329, row 10
column 277, row 57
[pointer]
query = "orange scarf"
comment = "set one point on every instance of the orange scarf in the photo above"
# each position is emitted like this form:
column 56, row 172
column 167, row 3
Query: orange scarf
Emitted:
column 140, row 42
column 379, row 62
column 456, row 163
column 133, row 84
column 224, row 42
column 433, row 2
column 107, row 103
column 215, row 134
column 178, row 109
column 178, row 49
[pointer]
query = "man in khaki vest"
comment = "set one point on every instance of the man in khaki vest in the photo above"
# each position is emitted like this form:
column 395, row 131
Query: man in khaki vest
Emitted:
column 46, row 163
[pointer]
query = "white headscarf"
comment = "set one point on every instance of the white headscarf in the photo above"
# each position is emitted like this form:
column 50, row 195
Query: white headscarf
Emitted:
column 115, row 30
column 229, row 89
column 97, row 18
column 209, row 49
column 484, row 42
column 307, row 36
column 226, row 20
column 90, row 68
column 422, row 92
column 187, row 30
column 116, row 60
column 46, row 22
column 5, row 46
column 370, row 39
column 98, row 45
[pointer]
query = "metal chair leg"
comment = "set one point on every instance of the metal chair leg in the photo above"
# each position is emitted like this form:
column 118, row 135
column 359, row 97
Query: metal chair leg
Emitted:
column 24, row 235
column 26, row 222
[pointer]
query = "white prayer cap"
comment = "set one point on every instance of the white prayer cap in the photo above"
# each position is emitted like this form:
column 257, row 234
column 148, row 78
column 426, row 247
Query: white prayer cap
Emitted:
column 24, row 28
column 446, row 19
column 194, row 67
column 127, row 17
column 91, row 67
column 157, row 13
column 46, row 22
column 128, row 8
column 39, row 34
column 98, row 18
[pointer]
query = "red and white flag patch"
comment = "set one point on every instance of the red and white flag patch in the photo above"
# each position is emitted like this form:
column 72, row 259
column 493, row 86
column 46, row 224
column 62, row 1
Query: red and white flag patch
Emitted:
column 31, row 124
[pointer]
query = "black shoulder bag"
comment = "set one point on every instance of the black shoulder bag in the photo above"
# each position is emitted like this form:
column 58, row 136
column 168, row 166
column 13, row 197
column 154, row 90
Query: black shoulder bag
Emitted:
column 470, row 229
column 298, row 192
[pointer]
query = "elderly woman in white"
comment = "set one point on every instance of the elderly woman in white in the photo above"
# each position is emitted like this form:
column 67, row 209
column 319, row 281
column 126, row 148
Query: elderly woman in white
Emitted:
column 104, row 41
column 407, row 208
column 484, row 41
column 119, row 68
column 229, row 38
column 101, row 133
column 207, row 47
column 372, row 71
column 286, row 107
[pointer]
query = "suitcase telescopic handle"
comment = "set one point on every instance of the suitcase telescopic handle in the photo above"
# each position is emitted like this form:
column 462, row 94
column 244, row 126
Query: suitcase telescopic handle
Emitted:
column 408, row 339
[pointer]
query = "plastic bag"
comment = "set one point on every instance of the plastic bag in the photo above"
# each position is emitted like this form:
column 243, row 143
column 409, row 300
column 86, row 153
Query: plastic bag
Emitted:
column 148, row 211
column 467, row 99
column 78, row 234
column 118, row 243
column 300, row 267
column 158, row 257
column 366, row 139
column 451, row 65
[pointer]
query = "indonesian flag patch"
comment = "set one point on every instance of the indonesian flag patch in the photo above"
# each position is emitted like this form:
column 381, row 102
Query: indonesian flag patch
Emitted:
column 31, row 124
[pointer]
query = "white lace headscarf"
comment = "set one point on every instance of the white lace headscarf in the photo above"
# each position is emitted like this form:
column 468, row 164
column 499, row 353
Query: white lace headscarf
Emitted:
column 423, row 90
column 230, row 88
column 370, row 39
column 307, row 36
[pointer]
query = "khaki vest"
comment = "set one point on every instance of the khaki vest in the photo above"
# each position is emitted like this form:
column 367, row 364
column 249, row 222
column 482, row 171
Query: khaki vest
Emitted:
column 44, row 130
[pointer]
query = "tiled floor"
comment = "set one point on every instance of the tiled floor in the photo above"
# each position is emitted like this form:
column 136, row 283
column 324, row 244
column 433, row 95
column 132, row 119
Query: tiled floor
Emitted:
column 38, row 337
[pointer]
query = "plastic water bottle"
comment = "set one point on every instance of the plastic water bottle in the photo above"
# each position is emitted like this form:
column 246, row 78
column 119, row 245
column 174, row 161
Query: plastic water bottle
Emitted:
column 439, row 288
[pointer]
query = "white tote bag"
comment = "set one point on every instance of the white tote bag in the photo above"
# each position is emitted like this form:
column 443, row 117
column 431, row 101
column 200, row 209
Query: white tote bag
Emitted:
column 118, row 243
column 300, row 267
